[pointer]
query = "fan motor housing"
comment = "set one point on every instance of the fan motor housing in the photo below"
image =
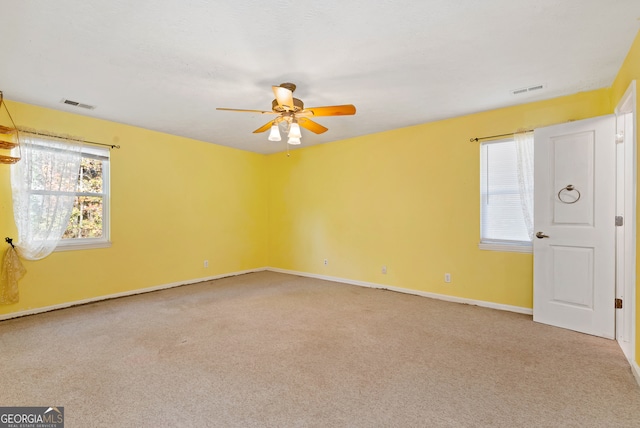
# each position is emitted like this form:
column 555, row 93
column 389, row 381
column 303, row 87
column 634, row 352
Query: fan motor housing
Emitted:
column 298, row 105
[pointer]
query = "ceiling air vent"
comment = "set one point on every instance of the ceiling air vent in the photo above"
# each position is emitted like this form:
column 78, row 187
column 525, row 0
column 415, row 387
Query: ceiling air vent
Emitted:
column 77, row 104
column 527, row 90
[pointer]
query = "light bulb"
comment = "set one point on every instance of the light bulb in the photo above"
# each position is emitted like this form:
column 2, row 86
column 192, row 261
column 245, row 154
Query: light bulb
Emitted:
column 274, row 135
column 294, row 131
column 294, row 141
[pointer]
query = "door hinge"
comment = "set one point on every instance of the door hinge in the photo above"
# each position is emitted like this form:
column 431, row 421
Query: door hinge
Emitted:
column 619, row 220
column 618, row 303
column 620, row 137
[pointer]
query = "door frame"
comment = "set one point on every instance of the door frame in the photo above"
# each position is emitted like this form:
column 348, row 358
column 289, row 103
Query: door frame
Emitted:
column 626, row 247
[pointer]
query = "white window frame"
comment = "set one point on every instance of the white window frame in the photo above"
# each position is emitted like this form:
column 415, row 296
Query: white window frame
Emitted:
column 517, row 246
column 70, row 244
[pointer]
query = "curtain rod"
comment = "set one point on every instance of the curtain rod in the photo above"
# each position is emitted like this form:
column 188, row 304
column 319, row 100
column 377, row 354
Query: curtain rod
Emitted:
column 113, row 146
column 491, row 137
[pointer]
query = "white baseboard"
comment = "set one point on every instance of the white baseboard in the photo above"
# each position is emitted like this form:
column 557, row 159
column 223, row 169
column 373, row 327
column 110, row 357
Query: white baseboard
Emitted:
column 310, row 275
column 123, row 294
column 635, row 369
column 509, row 308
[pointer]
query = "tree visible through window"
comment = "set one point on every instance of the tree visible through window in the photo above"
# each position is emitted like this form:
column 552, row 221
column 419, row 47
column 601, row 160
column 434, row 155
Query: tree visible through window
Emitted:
column 89, row 222
column 87, row 216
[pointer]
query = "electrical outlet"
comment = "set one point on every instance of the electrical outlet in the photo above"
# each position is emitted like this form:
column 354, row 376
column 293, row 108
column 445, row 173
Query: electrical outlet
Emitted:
column 384, row 270
column 206, row 263
column 326, row 262
column 447, row 277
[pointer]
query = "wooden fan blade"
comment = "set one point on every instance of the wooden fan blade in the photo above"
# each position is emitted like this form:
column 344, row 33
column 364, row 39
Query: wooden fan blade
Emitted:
column 246, row 111
column 284, row 97
column 311, row 125
column 342, row 110
column 264, row 127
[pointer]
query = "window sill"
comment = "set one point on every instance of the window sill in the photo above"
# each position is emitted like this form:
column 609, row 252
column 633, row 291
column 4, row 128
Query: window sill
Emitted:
column 515, row 247
column 83, row 245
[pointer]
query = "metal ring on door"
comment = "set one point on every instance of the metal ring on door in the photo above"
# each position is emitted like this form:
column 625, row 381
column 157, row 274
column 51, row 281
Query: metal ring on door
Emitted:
column 569, row 188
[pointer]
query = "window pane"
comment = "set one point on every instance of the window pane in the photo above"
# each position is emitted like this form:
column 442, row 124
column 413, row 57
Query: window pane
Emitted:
column 43, row 176
column 53, row 218
column 86, row 218
column 502, row 218
column 91, row 175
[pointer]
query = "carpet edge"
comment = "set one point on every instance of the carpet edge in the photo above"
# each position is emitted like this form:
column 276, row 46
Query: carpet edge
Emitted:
column 635, row 369
column 454, row 299
column 64, row 305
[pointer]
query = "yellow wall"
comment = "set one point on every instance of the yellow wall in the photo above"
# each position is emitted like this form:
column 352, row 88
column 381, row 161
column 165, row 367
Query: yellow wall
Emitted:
column 630, row 71
column 408, row 199
column 175, row 202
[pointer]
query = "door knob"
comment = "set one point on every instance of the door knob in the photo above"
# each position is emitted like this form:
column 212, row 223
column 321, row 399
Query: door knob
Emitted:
column 541, row 235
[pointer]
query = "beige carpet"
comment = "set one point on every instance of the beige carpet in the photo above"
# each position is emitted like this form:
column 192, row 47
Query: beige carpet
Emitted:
column 275, row 350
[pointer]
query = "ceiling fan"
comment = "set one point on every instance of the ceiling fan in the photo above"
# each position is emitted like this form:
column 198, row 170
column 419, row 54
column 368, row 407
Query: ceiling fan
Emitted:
column 292, row 112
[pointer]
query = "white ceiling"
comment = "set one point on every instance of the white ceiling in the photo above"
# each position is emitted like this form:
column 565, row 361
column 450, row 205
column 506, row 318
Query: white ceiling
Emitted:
column 167, row 64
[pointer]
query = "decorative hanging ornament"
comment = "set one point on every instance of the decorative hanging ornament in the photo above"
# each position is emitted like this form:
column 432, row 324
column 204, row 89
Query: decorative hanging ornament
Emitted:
column 6, row 135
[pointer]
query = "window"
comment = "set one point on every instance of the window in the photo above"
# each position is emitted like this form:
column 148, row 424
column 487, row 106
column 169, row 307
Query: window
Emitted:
column 503, row 225
column 88, row 226
column 52, row 175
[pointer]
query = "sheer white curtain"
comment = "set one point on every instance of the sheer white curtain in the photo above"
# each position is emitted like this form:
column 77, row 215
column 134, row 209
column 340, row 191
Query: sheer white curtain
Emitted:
column 524, row 154
column 43, row 183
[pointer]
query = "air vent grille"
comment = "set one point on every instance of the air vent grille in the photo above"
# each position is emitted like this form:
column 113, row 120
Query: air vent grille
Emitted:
column 527, row 90
column 78, row 104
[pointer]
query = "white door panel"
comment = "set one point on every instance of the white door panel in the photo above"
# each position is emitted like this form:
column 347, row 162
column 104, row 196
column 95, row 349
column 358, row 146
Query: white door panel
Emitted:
column 574, row 266
column 572, row 276
column 572, row 164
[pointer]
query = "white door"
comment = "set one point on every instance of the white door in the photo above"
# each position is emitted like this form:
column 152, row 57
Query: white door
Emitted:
column 574, row 216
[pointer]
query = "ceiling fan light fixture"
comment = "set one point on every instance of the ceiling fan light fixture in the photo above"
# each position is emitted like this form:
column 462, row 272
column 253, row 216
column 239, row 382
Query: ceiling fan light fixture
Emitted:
column 294, row 131
column 285, row 107
column 274, row 135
